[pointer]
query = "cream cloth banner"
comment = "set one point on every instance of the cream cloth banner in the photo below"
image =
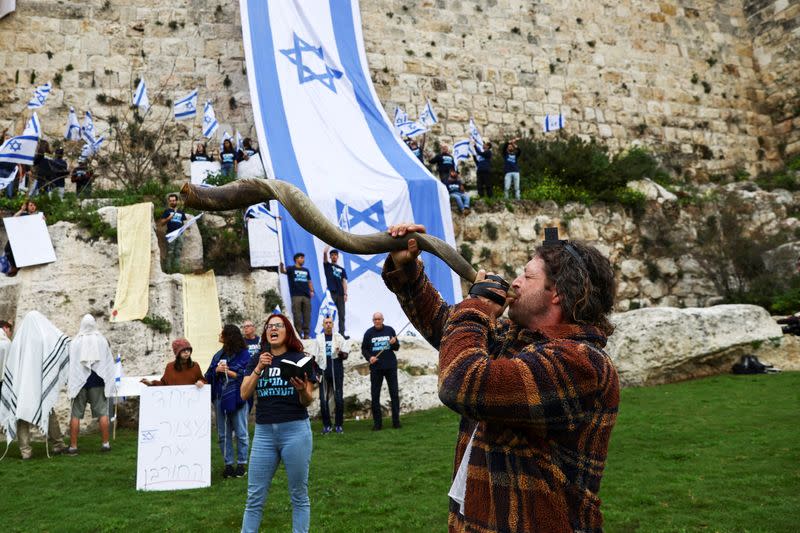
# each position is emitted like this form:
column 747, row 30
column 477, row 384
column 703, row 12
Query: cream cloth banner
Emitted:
column 134, row 226
column 201, row 320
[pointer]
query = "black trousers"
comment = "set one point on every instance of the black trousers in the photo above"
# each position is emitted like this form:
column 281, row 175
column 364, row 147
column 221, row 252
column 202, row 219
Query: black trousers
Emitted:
column 332, row 383
column 338, row 300
column 376, row 377
column 484, row 183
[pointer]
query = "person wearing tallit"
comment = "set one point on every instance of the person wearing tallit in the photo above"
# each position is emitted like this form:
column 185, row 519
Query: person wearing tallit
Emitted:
column 91, row 379
column 6, row 329
column 36, row 369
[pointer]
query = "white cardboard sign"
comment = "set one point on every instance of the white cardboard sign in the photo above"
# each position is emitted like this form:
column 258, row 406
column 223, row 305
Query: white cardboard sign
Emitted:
column 30, row 240
column 174, row 438
column 201, row 170
column 263, row 242
column 251, row 168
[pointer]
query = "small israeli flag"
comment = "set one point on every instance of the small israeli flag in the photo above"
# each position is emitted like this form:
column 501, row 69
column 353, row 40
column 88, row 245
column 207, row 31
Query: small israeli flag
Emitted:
column 475, row 135
column 428, row 116
column 326, row 309
column 412, row 129
column 22, row 148
column 261, row 211
column 73, row 132
column 172, row 235
column 89, row 149
column 186, row 107
column 8, row 180
column 461, row 150
column 118, row 372
column 40, row 95
column 87, row 130
column 553, row 122
column 277, row 310
column 140, row 99
column 400, row 117
column 210, row 124
column 239, row 145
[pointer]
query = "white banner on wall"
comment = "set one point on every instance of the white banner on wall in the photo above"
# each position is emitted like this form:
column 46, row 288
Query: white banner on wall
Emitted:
column 174, row 438
column 30, row 240
column 251, row 168
column 201, row 170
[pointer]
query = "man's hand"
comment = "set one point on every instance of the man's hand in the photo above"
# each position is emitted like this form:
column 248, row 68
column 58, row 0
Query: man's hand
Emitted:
column 403, row 257
column 495, row 310
column 393, row 340
column 373, row 360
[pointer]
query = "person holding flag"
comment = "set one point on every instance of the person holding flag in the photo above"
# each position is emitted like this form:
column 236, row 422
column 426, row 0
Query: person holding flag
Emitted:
column 330, row 351
column 483, row 163
column 511, row 154
column 173, row 219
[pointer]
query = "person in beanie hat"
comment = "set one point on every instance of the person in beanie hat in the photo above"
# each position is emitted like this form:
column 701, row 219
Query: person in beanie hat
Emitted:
column 181, row 371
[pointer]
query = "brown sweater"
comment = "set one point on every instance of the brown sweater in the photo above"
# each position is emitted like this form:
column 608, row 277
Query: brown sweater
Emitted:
column 187, row 376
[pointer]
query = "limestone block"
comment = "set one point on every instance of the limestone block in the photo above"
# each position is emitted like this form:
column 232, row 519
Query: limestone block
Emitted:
column 667, row 266
column 582, row 229
column 632, row 269
column 604, row 130
column 659, row 345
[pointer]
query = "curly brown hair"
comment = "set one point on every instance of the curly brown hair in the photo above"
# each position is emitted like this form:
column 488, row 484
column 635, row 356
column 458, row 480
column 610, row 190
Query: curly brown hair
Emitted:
column 584, row 280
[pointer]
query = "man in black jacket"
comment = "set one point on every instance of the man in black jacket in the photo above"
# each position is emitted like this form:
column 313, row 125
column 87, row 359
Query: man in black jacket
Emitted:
column 378, row 347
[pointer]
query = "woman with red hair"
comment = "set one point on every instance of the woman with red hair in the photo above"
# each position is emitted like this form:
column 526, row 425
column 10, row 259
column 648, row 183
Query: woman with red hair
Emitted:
column 283, row 430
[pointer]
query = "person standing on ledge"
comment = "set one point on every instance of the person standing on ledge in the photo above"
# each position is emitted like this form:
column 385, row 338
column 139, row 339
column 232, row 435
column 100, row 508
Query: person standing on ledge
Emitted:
column 537, row 395
column 336, row 278
column 301, row 289
column 378, row 347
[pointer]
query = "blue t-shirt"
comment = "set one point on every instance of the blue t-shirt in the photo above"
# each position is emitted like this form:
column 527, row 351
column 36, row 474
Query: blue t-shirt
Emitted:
column 511, row 161
column 444, row 164
column 483, row 160
column 94, row 381
column 298, row 281
column 253, row 345
column 334, row 274
column 277, row 400
column 227, row 158
column 176, row 221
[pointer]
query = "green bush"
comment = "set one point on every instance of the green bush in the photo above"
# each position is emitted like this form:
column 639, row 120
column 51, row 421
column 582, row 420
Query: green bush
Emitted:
column 778, row 181
column 157, row 323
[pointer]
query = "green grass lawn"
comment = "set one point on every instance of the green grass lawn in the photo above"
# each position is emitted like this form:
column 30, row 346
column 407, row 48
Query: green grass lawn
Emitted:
column 717, row 454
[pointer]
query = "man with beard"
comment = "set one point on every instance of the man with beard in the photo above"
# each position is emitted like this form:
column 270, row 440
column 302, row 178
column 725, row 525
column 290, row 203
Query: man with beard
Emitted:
column 537, row 394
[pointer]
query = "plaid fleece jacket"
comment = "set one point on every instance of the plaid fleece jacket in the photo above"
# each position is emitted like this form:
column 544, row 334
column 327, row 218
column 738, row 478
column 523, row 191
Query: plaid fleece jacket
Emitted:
column 544, row 403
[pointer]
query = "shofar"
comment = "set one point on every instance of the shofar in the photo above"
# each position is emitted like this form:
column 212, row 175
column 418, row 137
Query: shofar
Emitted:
column 243, row 193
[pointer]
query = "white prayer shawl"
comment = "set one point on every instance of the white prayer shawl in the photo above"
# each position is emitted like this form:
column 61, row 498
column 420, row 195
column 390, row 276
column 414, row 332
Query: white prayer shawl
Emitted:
column 35, row 372
column 5, row 344
column 89, row 350
column 340, row 344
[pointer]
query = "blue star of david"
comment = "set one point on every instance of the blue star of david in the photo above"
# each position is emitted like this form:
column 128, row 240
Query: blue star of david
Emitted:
column 88, row 127
column 15, row 145
column 304, row 73
column 189, row 105
column 40, row 97
column 374, row 217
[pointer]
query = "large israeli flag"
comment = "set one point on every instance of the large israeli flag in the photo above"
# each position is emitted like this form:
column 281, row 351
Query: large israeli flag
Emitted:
column 22, row 148
column 326, row 132
column 186, row 107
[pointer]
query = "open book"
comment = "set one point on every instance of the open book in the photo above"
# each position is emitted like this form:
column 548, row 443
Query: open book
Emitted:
column 290, row 369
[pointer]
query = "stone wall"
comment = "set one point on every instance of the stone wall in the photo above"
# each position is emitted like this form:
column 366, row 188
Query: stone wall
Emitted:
column 711, row 85
column 775, row 27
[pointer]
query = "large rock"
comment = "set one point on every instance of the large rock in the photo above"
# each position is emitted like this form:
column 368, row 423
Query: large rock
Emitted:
column 661, row 345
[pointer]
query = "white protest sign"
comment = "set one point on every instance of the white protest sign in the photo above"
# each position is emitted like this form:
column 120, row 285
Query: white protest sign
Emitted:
column 131, row 386
column 201, row 170
column 30, row 240
column 251, row 168
column 263, row 242
column 174, row 438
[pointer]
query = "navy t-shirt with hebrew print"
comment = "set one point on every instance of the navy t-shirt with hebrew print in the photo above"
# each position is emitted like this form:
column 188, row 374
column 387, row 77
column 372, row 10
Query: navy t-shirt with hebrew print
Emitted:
column 277, row 400
column 298, row 281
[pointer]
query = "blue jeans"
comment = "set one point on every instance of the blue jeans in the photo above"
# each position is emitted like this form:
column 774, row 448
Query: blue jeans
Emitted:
column 511, row 176
column 291, row 443
column 227, row 425
column 462, row 200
